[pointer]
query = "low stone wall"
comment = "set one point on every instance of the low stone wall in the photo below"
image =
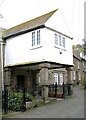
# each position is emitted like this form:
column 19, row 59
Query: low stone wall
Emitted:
column 36, row 103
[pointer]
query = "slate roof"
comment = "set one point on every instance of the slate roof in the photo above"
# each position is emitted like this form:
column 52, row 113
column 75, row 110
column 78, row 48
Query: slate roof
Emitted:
column 37, row 22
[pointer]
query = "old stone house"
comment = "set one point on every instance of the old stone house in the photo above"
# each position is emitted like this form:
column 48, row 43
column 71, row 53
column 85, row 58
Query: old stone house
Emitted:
column 79, row 71
column 36, row 53
column 83, row 82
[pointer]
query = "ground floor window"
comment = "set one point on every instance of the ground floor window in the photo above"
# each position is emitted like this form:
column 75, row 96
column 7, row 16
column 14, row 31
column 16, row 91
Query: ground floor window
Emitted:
column 56, row 78
column 60, row 78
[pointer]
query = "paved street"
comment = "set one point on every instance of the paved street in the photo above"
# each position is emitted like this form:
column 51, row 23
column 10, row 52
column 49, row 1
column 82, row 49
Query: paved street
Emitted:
column 68, row 108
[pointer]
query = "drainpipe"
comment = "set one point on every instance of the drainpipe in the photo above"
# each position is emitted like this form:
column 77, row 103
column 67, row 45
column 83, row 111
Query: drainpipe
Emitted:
column 2, row 65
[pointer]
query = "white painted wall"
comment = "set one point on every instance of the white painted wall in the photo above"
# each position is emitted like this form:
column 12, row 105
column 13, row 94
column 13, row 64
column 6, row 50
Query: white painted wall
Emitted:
column 57, row 22
column 19, row 50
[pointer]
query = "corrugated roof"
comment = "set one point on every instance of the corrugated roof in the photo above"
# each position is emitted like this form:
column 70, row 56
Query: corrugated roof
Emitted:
column 28, row 25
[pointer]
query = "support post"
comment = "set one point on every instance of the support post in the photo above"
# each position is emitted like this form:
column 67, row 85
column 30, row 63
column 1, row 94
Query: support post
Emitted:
column 70, row 80
column 44, row 81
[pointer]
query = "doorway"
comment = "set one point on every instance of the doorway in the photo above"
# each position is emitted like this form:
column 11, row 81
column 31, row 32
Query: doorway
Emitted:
column 20, row 81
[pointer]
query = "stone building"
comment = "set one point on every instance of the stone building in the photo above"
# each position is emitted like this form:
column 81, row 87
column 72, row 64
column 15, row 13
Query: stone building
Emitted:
column 79, row 71
column 37, row 54
column 83, row 82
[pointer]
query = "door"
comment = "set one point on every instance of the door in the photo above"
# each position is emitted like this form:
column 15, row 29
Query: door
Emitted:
column 20, row 81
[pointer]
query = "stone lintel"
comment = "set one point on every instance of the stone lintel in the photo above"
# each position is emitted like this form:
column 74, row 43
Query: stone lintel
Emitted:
column 44, row 65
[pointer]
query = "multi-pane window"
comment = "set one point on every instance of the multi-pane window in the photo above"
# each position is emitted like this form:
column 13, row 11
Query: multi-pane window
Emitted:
column 60, row 78
column 38, row 37
column 33, row 38
column 64, row 42
column 56, row 78
column 56, row 39
column 60, row 42
column 74, row 75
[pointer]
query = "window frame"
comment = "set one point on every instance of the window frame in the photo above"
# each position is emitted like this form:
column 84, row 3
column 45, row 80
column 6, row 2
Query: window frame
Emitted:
column 56, row 78
column 38, row 37
column 63, row 42
column 61, row 79
column 60, row 41
column 33, row 38
column 56, row 39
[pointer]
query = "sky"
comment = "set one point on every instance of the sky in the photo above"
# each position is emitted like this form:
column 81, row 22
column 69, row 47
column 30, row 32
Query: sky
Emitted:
column 15, row 12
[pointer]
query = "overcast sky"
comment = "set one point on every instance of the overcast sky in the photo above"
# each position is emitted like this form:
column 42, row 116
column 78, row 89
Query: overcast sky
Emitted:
column 18, row 11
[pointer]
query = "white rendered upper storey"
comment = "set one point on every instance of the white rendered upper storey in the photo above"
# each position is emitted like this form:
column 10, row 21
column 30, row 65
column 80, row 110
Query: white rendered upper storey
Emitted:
column 38, row 40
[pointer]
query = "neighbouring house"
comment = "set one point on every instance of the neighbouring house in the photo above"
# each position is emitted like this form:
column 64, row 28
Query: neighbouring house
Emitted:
column 37, row 54
column 79, row 70
column 83, row 82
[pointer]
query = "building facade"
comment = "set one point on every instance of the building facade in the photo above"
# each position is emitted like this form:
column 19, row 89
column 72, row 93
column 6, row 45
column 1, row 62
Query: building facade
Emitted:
column 79, row 71
column 33, row 52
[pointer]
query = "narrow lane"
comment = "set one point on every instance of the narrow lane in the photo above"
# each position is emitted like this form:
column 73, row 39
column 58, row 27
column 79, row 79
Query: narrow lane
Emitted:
column 68, row 108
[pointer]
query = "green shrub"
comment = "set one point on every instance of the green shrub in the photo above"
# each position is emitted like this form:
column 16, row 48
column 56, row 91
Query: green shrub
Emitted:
column 15, row 100
column 28, row 97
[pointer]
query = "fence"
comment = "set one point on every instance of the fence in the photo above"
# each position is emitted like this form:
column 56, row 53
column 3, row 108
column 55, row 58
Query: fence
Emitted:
column 14, row 99
column 58, row 91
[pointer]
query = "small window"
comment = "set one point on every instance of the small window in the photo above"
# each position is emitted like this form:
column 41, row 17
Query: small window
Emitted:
column 64, row 42
column 60, row 42
column 56, row 39
column 33, row 38
column 60, row 78
column 38, row 37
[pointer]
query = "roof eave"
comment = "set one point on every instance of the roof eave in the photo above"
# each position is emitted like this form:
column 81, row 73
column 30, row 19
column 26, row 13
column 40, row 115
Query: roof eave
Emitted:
column 23, row 32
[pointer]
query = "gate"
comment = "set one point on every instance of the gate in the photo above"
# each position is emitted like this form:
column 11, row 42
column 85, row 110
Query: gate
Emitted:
column 14, row 99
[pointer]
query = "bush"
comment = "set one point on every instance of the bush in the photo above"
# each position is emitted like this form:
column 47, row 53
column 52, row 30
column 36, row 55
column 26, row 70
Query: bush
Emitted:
column 28, row 97
column 15, row 100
